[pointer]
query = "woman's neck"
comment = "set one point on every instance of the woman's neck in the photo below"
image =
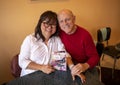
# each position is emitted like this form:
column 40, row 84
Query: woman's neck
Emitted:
column 46, row 40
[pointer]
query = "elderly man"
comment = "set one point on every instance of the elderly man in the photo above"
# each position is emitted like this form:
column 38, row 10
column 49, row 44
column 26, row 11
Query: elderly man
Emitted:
column 79, row 43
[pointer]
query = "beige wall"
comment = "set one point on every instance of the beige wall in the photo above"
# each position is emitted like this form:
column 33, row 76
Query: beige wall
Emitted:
column 18, row 18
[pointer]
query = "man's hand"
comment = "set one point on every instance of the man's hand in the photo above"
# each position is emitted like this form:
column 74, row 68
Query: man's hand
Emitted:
column 79, row 68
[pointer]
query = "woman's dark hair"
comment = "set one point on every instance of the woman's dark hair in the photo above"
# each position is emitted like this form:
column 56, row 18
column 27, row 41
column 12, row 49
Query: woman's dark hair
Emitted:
column 51, row 17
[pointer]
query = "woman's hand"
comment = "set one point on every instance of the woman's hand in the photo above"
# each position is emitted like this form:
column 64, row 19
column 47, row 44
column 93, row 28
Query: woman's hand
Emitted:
column 44, row 68
column 47, row 69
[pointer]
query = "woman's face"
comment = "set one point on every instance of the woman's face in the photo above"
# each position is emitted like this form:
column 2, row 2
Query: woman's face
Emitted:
column 48, row 28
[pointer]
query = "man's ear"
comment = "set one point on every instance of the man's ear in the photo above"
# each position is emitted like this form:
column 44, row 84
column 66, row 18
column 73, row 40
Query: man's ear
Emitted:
column 74, row 19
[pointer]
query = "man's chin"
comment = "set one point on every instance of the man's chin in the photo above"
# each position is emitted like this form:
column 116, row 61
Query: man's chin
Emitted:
column 67, row 32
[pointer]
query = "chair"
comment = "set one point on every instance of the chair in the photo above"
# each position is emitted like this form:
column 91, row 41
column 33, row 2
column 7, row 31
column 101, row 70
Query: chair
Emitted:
column 99, row 47
column 15, row 68
column 103, row 36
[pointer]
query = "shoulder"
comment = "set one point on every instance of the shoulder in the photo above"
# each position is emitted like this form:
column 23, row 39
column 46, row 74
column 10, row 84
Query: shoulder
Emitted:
column 84, row 35
column 83, row 31
column 30, row 37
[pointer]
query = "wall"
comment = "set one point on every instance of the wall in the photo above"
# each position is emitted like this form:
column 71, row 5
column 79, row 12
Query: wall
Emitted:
column 18, row 18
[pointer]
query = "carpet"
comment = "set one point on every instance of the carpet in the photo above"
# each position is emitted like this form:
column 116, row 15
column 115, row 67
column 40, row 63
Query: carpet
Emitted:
column 106, row 76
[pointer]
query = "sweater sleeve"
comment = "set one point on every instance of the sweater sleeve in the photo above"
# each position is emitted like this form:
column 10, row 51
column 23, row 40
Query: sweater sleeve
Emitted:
column 91, row 51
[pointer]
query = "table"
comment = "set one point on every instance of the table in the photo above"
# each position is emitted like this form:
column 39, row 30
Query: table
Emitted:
column 40, row 78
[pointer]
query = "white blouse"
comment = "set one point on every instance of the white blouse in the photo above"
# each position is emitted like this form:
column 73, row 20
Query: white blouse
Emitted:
column 37, row 51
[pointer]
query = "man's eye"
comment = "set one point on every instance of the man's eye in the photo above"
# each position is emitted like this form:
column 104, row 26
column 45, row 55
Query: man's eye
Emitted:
column 68, row 19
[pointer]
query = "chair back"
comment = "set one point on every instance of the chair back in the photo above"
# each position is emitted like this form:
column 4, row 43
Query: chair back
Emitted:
column 103, row 34
column 15, row 68
column 100, row 47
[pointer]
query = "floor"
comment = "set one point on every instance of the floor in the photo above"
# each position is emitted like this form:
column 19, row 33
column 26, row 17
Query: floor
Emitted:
column 108, row 62
column 107, row 77
column 106, row 71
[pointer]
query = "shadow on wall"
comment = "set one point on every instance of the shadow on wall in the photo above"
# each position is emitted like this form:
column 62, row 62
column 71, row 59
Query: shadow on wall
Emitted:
column 5, row 71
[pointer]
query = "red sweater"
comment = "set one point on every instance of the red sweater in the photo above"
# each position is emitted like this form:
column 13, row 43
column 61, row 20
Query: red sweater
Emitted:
column 81, row 47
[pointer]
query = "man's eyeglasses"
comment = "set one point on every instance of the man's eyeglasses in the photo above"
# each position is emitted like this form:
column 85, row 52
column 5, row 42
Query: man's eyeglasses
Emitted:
column 47, row 25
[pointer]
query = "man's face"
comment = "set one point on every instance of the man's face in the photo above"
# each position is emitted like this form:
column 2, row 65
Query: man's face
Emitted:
column 66, row 22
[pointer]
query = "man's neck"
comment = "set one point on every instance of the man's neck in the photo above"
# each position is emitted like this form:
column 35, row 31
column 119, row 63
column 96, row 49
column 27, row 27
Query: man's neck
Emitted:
column 73, row 31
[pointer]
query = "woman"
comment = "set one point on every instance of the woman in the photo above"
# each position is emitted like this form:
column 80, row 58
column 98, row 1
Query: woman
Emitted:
column 37, row 48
